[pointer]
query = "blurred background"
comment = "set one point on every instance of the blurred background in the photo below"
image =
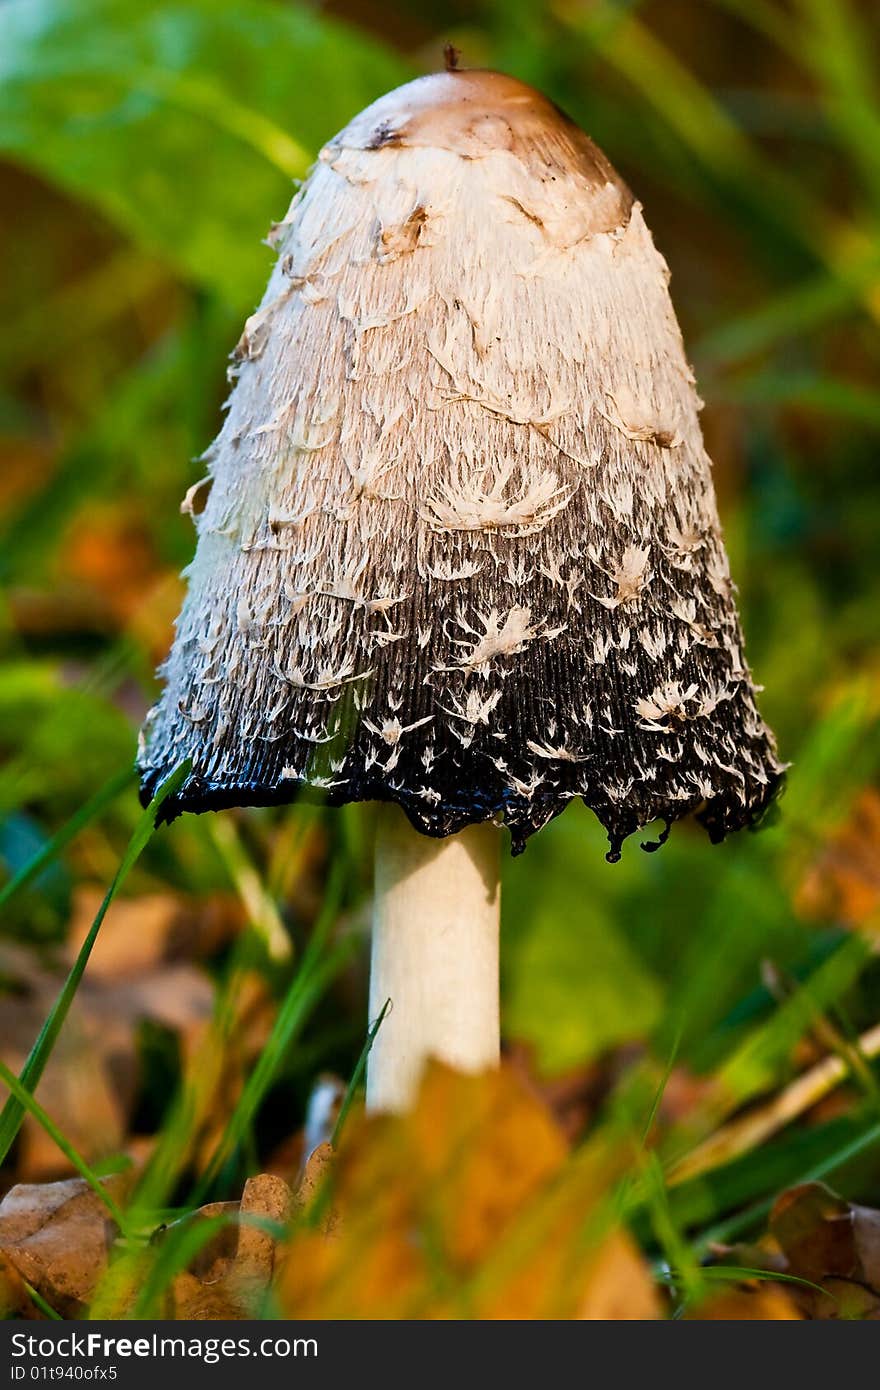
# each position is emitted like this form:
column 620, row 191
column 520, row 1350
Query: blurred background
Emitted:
column 145, row 148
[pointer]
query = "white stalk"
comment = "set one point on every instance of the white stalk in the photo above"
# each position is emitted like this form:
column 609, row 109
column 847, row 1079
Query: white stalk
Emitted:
column 435, row 955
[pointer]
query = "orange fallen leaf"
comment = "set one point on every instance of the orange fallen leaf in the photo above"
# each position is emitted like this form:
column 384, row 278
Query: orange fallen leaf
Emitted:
column 619, row 1287
column 470, row 1206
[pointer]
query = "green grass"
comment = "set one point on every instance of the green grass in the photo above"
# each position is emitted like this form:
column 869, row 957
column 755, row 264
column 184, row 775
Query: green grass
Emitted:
column 13, row 1111
column 147, row 147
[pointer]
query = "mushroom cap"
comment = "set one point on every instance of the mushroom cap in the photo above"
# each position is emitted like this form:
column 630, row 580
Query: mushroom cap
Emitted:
column 475, row 113
column 461, row 549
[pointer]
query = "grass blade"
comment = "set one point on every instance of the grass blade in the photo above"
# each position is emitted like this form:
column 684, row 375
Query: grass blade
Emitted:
column 39, row 1301
column 661, row 1089
column 73, row 1156
column 357, row 1074
column 179, row 1246
column 305, row 993
column 13, row 1111
column 726, row 1231
column 258, row 902
column 737, row 1273
column 59, row 841
column 316, row 969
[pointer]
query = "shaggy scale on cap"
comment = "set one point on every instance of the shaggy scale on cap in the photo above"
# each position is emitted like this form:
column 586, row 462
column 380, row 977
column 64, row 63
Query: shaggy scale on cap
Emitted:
column 460, row 549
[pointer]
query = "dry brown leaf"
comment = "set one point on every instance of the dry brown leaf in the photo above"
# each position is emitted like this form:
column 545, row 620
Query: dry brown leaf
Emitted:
column 88, row 1085
column 832, row 1243
column 232, row 1272
column 212, row 1260
column 15, row 1301
column 573, row 1097
column 106, row 565
column 267, row 1197
column 188, row 1297
column 499, row 1145
column 814, row 1229
column 687, row 1096
column 151, row 930
column 137, row 971
column 58, row 1236
column 315, row 1173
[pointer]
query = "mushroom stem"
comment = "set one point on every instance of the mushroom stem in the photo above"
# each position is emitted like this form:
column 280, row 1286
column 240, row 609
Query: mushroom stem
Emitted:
column 435, row 955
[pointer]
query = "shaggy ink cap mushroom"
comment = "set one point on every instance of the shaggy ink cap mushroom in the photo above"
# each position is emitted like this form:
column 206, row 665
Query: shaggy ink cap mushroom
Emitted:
column 461, row 548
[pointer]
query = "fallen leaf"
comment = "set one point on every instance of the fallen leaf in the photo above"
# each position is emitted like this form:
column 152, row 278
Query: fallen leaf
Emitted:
column 141, row 969
column 315, row 1173
column 58, row 1236
column 832, row 1243
column 212, row 1260
column 87, row 1087
column 231, row 1274
column 149, row 931
column 269, row 1198
column 814, row 1229
column 575, row 1096
column 469, row 1206
column 619, row 1287
column 828, row 1247
column 188, row 1298
column 15, row 1301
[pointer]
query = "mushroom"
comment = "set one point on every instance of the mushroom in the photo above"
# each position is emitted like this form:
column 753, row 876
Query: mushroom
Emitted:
column 461, row 551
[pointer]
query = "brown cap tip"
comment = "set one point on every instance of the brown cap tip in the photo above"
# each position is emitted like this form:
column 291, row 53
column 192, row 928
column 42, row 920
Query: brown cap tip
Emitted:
column 476, row 113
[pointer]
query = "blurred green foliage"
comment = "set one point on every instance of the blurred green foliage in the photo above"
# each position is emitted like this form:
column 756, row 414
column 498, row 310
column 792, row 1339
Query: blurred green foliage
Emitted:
column 148, row 144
